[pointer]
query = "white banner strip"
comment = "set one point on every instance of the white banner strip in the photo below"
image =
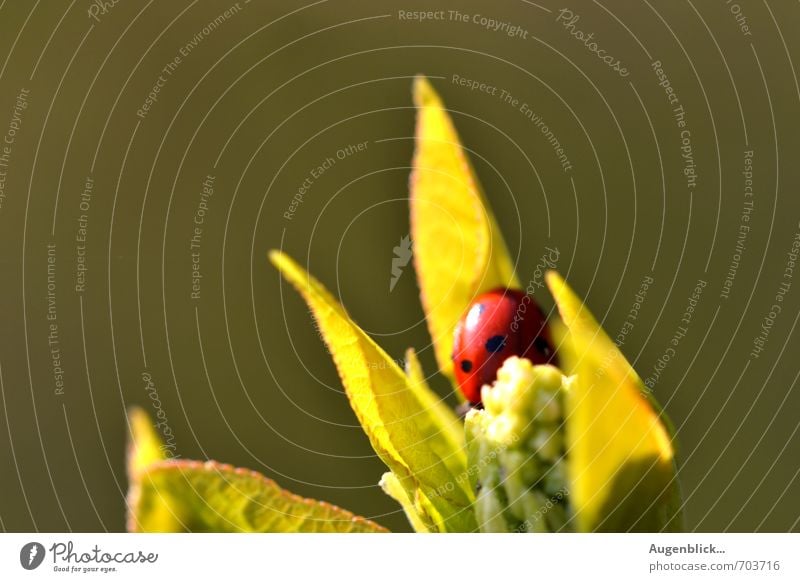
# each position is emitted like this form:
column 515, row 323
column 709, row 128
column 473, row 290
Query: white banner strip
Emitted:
column 400, row 557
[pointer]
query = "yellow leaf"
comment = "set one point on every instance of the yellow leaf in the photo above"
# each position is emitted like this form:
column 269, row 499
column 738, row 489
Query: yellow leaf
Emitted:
column 400, row 428
column 619, row 450
column 145, row 446
column 439, row 420
column 459, row 251
column 179, row 496
column 421, row 522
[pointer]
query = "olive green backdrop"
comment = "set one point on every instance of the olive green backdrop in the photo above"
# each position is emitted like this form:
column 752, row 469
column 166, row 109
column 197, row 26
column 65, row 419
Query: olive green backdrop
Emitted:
column 261, row 96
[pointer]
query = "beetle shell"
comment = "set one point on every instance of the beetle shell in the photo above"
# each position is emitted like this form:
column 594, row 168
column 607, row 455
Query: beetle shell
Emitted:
column 498, row 324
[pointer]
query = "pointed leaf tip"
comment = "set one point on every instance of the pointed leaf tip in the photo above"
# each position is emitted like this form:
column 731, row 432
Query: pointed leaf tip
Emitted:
column 459, row 250
column 621, row 456
column 424, row 93
column 145, row 446
column 399, row 414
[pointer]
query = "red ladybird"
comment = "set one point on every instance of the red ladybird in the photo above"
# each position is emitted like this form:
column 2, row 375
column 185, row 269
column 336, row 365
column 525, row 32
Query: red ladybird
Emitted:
column 498, row 324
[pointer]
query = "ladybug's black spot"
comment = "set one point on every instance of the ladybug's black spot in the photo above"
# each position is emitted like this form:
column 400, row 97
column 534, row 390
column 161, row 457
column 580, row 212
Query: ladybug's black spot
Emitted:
column 496, row 343
column 466, row 366
column 542, row 345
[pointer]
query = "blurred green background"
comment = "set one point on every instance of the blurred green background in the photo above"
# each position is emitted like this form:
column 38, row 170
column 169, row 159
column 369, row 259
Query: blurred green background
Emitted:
column 261, row 96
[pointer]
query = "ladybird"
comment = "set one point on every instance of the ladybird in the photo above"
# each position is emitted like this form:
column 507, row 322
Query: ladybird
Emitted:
column 498, row 324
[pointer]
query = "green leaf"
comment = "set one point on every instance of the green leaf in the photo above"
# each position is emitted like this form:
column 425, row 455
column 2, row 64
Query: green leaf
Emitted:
column 459, row 251
column 620, row 456
column 403, row 431
column 181, row 496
